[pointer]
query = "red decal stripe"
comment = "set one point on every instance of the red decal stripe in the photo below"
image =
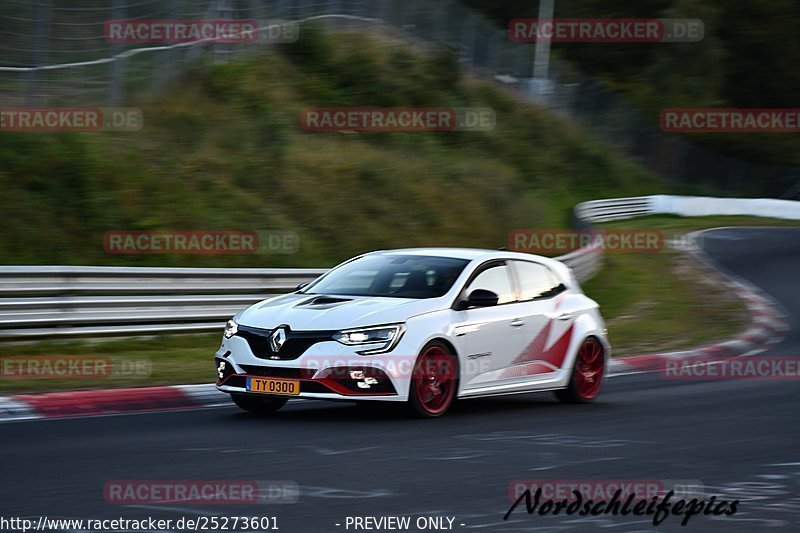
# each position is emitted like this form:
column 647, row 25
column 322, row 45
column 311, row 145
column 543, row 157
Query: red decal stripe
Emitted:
column 532, row 360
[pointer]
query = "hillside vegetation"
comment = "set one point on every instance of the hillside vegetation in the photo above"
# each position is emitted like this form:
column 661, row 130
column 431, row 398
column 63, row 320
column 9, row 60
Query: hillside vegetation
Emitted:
column 223, row 149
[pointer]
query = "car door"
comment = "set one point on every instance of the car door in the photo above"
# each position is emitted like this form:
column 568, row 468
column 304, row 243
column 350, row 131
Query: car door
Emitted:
column 487, row 334
column 546, row 330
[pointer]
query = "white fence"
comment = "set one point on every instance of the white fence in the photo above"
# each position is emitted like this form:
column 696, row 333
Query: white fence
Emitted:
column 685, row 206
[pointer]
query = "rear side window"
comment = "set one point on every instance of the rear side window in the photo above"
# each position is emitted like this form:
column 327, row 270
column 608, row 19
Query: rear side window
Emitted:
column 536, row 281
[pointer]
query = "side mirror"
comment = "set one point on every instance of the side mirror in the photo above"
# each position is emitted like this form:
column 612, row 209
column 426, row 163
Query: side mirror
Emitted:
column 481, row 298
column 301, row 286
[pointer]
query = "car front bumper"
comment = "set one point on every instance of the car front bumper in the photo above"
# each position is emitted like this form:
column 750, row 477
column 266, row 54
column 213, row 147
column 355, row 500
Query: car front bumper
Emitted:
column 327, row 370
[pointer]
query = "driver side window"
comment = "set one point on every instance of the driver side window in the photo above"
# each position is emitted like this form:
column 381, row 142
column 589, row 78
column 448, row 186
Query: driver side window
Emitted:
column 496, row 279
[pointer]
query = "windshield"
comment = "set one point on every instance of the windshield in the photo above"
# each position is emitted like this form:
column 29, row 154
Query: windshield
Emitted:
column 398, row 276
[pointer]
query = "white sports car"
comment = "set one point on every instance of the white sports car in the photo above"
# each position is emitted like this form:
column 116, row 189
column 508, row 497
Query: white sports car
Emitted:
column 423, row 326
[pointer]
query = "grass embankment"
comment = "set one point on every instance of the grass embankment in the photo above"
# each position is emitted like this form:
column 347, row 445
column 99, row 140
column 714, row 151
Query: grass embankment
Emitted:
column 224, row 150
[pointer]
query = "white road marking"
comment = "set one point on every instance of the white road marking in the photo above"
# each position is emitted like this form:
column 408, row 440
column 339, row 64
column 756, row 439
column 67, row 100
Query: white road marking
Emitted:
column 552, row 467
column 186, row 510
column 327, row 451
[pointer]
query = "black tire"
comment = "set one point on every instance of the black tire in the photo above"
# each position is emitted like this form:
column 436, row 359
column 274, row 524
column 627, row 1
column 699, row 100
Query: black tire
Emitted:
column 568, row 395
column 576, row 391
column 417, row 406
column 258, row 404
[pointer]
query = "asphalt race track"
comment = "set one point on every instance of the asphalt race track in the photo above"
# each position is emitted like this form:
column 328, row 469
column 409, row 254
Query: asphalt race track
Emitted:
column 741, row 439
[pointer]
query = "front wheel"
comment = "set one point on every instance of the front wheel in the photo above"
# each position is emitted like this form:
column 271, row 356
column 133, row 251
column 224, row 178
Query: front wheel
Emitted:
column 587, row 374
column 434, row 381
column 258, row 404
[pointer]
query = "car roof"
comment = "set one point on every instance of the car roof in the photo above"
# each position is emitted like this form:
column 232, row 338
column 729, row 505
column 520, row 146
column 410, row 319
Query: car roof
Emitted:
column 470, row 254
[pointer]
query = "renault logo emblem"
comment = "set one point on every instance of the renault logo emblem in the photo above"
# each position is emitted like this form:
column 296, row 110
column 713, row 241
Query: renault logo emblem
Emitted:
column 277, row 339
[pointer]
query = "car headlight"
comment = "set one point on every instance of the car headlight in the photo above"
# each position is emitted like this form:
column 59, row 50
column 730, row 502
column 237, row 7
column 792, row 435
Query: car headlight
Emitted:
column 231, row 328
column 386, row 336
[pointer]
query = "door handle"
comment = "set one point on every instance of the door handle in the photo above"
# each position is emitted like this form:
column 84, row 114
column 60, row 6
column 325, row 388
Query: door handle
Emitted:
column 563, row 316
column 516, row 323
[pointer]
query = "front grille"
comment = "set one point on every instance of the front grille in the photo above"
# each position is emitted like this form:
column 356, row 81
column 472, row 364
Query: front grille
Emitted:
column 297, row 342
column 235, row 381
column 313, row 386
column 257, row 339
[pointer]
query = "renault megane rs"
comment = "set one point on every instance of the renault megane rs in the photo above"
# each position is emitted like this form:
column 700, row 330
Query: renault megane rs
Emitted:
column 424, row 326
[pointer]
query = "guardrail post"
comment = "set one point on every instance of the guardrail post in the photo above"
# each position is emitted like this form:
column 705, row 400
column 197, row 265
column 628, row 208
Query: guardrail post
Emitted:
column 36, row 93
column 118, row 66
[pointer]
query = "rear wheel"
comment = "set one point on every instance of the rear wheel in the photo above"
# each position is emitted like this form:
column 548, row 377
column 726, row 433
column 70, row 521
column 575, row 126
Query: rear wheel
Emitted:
column 258, row 404
column 434, row 381
column 587, row 374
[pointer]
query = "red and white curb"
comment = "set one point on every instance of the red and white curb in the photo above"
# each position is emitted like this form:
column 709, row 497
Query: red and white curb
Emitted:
column 768, row 324
column 110, row 401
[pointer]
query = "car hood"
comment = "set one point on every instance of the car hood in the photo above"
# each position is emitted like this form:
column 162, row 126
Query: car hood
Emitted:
column 326, row 312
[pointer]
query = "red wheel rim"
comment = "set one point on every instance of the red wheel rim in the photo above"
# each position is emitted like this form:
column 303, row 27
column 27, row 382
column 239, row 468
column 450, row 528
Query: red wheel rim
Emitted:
column 589, row 369
column 435, row 379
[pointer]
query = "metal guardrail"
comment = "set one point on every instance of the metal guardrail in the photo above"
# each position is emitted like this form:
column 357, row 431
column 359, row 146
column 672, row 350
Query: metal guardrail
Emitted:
column 614, row 209
column 586, row 262
column 67, row 301
column 81, row 301
column 40, row 301
column 78, row 301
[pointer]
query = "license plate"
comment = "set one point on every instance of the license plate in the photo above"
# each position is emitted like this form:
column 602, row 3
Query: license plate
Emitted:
column 273, row 386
